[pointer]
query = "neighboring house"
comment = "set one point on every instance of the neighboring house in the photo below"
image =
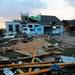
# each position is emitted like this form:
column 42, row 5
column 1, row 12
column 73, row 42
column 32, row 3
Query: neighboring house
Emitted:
column 69, row 26
column 42, row 24
column 13, row 27
column 31, row 26
column 52, row 25
column 33, row 29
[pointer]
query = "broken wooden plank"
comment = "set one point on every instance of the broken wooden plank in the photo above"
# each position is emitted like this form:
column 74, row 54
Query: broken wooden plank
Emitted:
column 33, row 59
column 31, row 65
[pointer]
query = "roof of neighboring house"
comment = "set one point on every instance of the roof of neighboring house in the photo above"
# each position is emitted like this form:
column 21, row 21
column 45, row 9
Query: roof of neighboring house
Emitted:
column 27, row 19
column 69, row 22
column 43, row 19
column 49, row 20
column 13, row 21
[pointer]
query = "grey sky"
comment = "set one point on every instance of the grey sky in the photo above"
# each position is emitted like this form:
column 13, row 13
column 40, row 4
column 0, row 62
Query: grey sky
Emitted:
column 71, row 2
column 11, row 9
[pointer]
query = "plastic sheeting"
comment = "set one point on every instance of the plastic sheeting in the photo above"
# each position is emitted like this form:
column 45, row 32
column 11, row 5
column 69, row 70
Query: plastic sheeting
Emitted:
column 67, row 59
column 7, row 71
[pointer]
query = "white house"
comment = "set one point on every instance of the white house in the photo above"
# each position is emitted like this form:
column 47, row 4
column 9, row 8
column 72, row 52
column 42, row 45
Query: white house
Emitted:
column 33, row 29
column 13, row 27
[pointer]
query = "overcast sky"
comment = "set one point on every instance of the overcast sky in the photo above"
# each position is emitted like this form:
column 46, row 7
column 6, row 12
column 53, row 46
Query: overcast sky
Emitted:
column 11, row 9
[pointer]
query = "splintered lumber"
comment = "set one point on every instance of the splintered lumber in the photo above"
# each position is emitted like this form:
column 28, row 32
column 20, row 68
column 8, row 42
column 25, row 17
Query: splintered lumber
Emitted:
column 34, row 65
column 24, row 53
column 33, row 59
column 20, row 71
column 30, row 57
column 29, row 47
column 35, row 73
column 44, row 70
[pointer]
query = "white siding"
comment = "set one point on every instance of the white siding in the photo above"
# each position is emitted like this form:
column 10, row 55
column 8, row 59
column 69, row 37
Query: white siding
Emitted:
column 39, row 29
column 13, row 24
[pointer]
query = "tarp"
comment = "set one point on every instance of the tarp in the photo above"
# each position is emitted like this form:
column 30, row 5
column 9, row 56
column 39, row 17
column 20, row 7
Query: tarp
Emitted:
column 67, row 59
column 55, row 67
column 7, row 71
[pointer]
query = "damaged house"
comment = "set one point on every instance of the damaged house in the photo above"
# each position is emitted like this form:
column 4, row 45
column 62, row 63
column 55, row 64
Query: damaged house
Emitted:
column 43, row 24
column 52, row 25
column 69, row 26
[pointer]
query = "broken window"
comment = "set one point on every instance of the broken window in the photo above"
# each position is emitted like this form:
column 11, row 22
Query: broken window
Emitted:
column 30, row 26
column 31, row 30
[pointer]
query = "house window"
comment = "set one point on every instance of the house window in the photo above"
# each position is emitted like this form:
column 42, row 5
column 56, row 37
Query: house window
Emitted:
column 23, row 25
column 25, row 29
column 31, row 30
column 17, row 28
column 11, row 28
column 30, row 26
column 39, row 29
column 36, row 25
column 53, row 22
column 57, row 27
column 50, row 22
